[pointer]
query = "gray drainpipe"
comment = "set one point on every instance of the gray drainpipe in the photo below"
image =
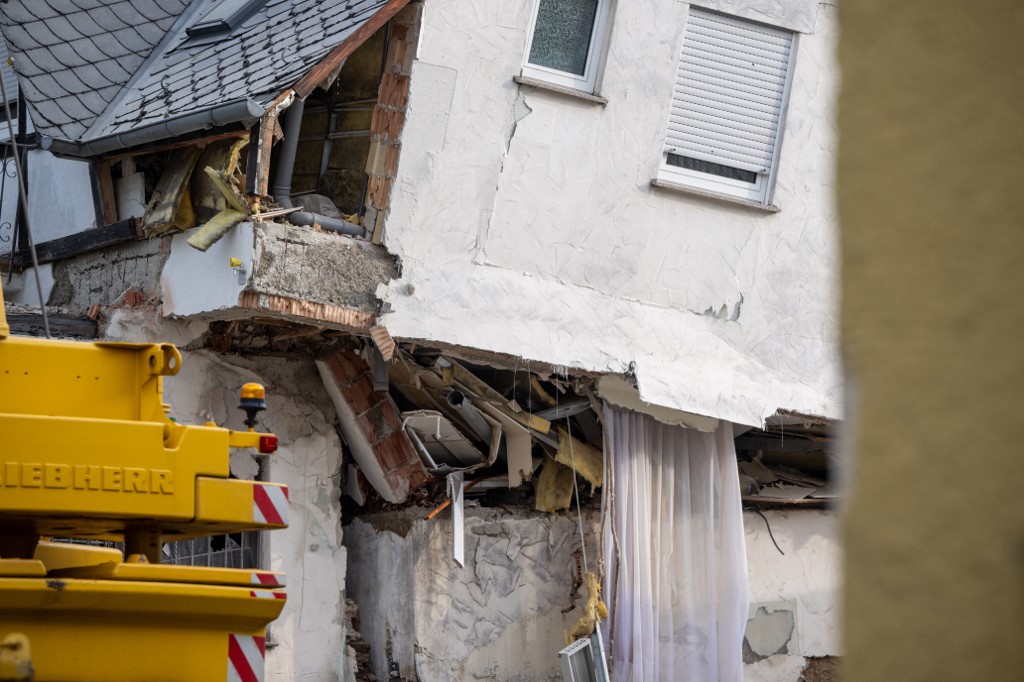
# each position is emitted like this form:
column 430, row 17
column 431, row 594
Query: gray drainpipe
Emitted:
column 282, row 188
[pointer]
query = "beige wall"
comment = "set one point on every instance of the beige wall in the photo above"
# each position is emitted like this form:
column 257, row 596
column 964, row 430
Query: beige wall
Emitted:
column 932, row 220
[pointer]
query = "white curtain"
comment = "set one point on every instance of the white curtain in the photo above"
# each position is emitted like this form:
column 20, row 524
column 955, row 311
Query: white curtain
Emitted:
column 678, row 593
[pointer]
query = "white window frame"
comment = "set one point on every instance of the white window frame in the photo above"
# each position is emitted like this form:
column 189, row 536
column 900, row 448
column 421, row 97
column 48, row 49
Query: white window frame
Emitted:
column 760, row 191
column 598, row 41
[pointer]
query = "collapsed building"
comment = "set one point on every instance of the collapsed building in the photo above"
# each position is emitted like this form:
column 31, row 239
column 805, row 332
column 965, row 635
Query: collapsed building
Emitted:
column 516, row 329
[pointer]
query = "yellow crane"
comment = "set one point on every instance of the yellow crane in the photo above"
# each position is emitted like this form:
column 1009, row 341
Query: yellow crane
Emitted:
column 88, row 450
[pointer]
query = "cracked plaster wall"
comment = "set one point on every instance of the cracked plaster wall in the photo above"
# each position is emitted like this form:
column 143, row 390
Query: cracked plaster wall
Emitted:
column 514, row 204
column 806, row 578
column 498, row 618
column 310, row 633
column 444, row 622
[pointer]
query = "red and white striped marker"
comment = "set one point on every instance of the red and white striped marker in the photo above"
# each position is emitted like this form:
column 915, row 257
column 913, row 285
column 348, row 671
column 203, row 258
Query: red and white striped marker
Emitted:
column 270, row 504
column 268, row 579
column 267, row 594
column 245, row 658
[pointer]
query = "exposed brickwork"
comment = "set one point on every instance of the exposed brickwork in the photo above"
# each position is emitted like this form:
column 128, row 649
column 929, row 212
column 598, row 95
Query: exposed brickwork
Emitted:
column 380, row 422
column 389, row 114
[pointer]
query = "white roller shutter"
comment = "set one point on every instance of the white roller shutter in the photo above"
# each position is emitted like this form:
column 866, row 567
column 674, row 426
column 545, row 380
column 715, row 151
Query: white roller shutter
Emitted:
column 10, row 79
column 729, row 91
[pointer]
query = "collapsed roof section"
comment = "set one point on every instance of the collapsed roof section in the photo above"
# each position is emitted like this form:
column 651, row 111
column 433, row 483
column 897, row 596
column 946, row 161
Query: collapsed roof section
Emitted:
column 100, row 76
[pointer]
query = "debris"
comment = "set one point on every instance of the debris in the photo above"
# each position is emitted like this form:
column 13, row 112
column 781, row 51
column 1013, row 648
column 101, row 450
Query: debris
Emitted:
column 441, row 439
column 786, row 492
column 455, row 487
column 518, row 445
column 554, row 488
column 587, row 461
column 223, row 180
column 162, row 212
column 385, row 344
column 372, row 426
column 594, row 611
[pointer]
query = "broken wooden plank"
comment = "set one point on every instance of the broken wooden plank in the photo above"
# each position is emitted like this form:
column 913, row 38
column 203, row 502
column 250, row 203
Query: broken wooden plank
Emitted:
column 478, row 387
column 81, row 242
column 163, row 206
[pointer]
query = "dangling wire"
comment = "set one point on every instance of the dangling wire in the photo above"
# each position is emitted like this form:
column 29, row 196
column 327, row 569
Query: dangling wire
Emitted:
column 576, row 491
column 24, row 204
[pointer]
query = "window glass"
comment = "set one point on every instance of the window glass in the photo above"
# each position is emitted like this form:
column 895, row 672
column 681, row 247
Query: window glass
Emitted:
column 561, row 38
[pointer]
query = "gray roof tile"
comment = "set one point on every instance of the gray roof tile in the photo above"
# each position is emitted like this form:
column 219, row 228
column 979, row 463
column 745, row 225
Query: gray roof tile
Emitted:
column 64, row 29
column 69, row 81
column 85, row 24
column 105, row 17
column 70, row 48
column 97, row 46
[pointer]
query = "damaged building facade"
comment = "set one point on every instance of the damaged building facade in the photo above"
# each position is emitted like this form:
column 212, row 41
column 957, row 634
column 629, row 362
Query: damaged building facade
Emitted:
column 538, row 290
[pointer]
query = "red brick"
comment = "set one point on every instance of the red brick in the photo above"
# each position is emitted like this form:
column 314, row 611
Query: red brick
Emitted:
column 394, row 91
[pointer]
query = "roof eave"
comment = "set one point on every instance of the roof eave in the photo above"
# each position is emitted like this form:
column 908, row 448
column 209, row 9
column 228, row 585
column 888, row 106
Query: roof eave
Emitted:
column 245, row 110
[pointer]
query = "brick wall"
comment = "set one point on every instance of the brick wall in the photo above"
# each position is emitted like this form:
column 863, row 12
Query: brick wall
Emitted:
column 389, row 117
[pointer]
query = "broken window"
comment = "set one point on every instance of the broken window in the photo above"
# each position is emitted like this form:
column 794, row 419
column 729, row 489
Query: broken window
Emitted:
column 566, row 42
column 728, row 105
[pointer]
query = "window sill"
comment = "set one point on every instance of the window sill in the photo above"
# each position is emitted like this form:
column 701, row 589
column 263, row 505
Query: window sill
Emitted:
column 560, row 89
column 717, row 196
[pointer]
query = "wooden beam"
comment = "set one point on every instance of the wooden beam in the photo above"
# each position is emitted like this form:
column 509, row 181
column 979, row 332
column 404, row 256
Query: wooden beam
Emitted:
column 322, row 71
column 60, row 325
column 81, row 242
column 108, row 198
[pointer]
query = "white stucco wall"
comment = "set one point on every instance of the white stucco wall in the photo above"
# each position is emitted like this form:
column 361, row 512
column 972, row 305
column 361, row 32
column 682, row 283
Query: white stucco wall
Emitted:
column 526, row 223
column 310, row 633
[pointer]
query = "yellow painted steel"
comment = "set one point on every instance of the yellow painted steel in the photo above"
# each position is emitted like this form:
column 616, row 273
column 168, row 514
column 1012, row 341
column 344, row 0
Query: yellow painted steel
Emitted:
column 15, row 658
column 88, row 450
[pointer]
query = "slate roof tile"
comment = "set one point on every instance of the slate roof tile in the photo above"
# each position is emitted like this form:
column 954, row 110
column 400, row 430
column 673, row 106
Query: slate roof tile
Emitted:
column 69, row 82
column 91, row 75
column 105, row 43
column 105, row 17
column 131, row 39
column 85, row 24
column 64, row 29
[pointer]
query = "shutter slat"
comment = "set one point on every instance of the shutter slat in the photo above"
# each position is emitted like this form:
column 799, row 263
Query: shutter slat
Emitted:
column 723, row 126
column 713, row 158
column 710, row 152
column 722, row 77
column 713, row 95
column 735, row 26
column 727, row 100
column 736, row 117
column 733, row 45
column 724, row 143
column 772, row 72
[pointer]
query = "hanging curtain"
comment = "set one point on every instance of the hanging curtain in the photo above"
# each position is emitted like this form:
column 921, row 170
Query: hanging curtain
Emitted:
column 678, row 591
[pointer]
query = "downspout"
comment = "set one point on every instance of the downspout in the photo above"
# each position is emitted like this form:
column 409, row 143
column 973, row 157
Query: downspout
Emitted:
column 282, row 188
